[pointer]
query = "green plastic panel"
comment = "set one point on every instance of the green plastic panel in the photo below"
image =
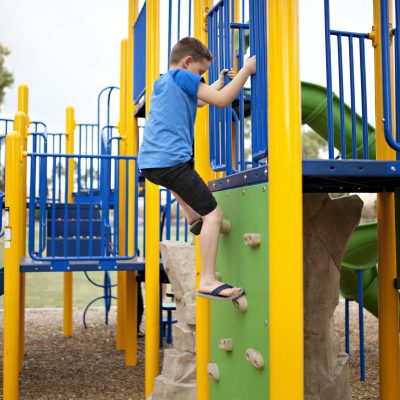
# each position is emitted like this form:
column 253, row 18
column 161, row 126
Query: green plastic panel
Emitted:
column 247, row 210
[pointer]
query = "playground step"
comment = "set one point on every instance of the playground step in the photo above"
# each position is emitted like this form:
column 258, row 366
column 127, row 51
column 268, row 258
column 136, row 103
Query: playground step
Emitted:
column 87, row 227
column 85, row 211
column 84, row 244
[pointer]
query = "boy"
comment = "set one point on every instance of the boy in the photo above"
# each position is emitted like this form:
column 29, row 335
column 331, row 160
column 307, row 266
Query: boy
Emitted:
column 165, row 156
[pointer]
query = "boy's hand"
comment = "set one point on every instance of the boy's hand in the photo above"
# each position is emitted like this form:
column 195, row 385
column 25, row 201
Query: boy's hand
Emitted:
column 250, row 65
column 226, row 71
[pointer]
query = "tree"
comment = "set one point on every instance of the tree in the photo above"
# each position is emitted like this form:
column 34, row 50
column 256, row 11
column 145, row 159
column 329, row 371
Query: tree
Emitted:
column 312, row 143
column 6, row 77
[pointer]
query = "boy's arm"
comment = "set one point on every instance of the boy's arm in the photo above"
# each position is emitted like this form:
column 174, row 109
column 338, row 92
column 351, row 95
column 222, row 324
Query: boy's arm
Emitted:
column 219, row 83
column 225, row 96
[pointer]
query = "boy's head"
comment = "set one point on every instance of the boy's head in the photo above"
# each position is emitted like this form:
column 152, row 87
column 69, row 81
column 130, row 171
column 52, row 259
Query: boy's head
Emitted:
column 190, row 53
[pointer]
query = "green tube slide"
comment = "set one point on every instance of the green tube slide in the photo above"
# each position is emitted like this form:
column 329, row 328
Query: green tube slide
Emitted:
column 314, row 114
column 361, row 252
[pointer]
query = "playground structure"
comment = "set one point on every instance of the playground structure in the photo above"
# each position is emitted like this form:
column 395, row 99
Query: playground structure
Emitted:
column 83, row 190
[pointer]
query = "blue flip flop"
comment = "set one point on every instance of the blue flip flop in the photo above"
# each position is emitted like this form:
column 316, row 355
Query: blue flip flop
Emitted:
column 195, row 228
column 215, row 294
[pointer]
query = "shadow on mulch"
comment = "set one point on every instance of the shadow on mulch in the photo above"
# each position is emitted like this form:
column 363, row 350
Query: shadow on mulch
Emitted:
column 84, row 366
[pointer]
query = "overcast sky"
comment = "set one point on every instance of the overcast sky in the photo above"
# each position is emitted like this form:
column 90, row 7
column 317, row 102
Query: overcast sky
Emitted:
column 67, row 51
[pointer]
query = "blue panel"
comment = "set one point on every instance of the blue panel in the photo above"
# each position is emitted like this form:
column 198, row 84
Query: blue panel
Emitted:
column 139, row 55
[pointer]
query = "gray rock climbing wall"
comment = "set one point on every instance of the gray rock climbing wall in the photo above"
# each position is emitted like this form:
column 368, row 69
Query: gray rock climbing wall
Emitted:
column 328, row 225
column 178, row 378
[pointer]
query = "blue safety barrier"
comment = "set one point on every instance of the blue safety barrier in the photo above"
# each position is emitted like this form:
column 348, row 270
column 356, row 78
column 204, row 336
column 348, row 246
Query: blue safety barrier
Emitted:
column 346, row 44
column 66, row 231
column 228, row 41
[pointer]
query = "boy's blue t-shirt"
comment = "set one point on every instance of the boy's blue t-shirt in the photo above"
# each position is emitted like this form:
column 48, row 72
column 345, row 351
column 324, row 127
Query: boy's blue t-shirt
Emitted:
column 168, row 134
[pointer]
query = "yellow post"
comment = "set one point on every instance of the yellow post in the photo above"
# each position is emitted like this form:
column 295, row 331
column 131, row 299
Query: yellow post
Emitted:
column 132, row 150
column 68, row 277
column 23, row 99
column 21, row 126
column 121, row 297
column 285, row 203
column 12, row 252
column 202, row 163
column 152, row 214
column 388, row 296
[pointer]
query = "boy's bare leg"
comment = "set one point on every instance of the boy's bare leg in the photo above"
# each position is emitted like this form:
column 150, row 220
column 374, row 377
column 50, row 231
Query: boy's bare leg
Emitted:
column 209, row 237
column 190, row 214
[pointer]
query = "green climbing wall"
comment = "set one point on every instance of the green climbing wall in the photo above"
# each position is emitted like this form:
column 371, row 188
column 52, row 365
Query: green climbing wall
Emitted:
column 247, row 210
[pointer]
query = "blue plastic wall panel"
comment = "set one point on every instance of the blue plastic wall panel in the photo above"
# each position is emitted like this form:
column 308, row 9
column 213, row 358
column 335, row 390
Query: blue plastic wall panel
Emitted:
column 259, row 96
column 139, row 55
column 351, row 138
column 86, row 229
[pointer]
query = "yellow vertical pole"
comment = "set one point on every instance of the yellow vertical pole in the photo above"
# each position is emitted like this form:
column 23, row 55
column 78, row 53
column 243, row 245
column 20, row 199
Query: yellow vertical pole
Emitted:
column 132, row 150
column 12, row 252
column 21, row 126
column 285, row 203
column 388, row 295
column 152, row 213
column 121, row 297
column 23, row 99
column 23, row 121
column 68, row 277
column 202, row 164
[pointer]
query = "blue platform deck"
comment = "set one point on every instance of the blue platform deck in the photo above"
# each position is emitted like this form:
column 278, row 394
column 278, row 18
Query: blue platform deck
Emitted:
column 30, row 265
column 328, row 176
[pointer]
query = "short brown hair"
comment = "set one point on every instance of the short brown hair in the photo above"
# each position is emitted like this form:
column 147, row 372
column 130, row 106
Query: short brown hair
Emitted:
column 190, row 46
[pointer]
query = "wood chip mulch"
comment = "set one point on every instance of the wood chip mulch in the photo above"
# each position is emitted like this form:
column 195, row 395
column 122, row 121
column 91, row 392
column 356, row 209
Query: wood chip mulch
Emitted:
column 87, row 366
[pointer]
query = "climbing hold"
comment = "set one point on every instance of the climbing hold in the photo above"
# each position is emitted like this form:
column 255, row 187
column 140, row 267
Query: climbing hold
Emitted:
column 252, row 239
column 255, row 358
column 226, row 344
column 225, row 226
column 213, row 371
column 241, row 303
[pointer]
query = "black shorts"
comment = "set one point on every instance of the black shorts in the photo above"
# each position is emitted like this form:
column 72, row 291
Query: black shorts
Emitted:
column 185, row 182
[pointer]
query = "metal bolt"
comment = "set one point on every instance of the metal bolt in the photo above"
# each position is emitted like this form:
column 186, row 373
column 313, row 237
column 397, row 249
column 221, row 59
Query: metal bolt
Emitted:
column 393, row 168
column 265, row 171
column 265, row 322
column 227, row 181
column 264, row 188
column 245, row 177
column 243, row 191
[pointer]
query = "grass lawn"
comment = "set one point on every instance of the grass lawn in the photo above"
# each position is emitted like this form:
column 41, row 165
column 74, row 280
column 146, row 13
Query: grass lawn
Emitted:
column 45, row 289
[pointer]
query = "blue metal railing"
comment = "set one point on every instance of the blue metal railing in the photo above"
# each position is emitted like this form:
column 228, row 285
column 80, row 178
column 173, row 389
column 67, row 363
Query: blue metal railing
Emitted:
column 67, row 231
column 393, row 142
column 172, row 218
column 259, row 98
column 228, row 41
column 355, row 145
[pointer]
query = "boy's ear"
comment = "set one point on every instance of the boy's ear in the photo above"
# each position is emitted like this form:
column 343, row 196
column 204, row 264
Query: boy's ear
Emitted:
column 187, row 60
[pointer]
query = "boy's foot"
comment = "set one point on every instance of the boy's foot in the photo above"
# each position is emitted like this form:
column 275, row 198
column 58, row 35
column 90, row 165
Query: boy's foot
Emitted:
column 222, row 292
column 195, row 227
